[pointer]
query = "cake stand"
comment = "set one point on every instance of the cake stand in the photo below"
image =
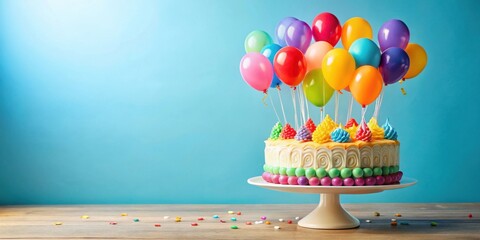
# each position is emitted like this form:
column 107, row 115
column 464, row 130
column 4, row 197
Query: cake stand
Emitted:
column 329, row 214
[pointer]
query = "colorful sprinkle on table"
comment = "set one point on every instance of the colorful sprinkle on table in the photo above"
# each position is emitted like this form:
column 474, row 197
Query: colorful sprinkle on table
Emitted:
column 368, row 221
column 297, row 218
column 123, row 214
column 178, row 219
column 394, row 220
column 248, row 223
column 233, row 219
column 234, row 227
column 398, row 215
column 289, row 221
column 194, row 224
column 258, row 222
column 112, row 223
column 166, row 217
column 223, row 221
column 239, row 213
column 281, row 220
column 376, row 214
column 215, row 216
column 263, row 218
column 85, row 217
column 433, row 224
column 200, row 219
column 470, row 215
column 276, row 227
column 157, row 225
column 230, row 212
column 136, row 220
column 268, row 222
column 393, row 223
column 58, row 223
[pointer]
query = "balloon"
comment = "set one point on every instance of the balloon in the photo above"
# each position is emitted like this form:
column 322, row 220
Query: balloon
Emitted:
column 281, row 30
column 393, row 65
column 418, row 59
column 366, row 84
column 269, row 51
column 355, row 28
column 290, row 65
column 393, row 33
column 315, row 54
column 299, row 35
column 365, row 52
column 316, row 89
column 326, row 27
column 256, row 71
column 256, row 40
column 338, row 67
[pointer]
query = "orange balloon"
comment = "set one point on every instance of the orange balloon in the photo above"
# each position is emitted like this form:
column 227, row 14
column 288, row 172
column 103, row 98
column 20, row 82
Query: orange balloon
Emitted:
column 338, row 66
column 315, row 54
column 418, row 60
column 366, row 85
column 355, row 28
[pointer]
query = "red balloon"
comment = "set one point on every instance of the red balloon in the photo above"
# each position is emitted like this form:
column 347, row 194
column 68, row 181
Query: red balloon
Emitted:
column 326, row 27
column 290, row 65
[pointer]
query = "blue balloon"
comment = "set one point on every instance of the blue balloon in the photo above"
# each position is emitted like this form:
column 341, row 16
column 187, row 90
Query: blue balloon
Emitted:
column 269, row 51
column 365, row 52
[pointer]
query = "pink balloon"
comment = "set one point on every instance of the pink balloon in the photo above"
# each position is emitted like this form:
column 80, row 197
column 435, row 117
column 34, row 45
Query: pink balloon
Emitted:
column 315, row 54
column 256, row 71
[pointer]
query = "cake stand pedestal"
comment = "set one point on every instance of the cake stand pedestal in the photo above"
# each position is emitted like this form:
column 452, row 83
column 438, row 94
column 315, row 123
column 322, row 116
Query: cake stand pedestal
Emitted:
column 329, row 213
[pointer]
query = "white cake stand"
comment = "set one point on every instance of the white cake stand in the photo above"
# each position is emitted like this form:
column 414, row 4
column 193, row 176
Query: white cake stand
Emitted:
column 329, row 214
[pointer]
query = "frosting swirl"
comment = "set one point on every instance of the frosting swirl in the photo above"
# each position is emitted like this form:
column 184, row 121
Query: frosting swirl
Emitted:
column 352, row 130
column 310, row 125
column 390, row 132
column 303, row 134
column 377, row 131
column 364, row 133
column 351, row 123
column 288, row 132
column 328, row 124
column 321, row 135
column 276, row 130
column 340, row 135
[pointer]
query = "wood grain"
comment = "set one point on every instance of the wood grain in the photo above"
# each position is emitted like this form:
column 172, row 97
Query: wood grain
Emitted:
column 37, row 222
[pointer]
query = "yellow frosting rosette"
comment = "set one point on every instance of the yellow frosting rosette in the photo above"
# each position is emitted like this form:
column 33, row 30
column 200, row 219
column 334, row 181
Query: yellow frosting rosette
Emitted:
column 377, row 132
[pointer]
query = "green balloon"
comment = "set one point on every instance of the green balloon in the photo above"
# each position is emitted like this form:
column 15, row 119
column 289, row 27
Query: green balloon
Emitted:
column 316, row 89
column 256, row 40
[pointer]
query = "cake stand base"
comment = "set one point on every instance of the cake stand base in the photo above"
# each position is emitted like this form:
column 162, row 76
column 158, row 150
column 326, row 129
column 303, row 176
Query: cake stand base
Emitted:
column 329, row 213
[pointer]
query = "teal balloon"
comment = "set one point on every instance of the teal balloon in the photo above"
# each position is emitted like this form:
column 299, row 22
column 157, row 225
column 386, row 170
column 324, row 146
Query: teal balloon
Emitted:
column 256, row 40
column 365, row 52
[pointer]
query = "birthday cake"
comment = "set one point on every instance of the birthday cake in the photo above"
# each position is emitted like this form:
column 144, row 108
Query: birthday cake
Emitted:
column 329, row 154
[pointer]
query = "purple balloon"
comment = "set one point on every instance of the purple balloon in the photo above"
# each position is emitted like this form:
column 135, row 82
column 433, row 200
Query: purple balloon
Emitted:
column 394, row 65
column 393, row 33
column 281, row 30
column 299, row 35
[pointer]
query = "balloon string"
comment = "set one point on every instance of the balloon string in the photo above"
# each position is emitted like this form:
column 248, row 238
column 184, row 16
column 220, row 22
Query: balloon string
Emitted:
column 378, row 105
column 294, row 108
column 321, row 114
column 281, row 104
column 336, row 106
column 302, row 105
column 306, row 104
column 364, row 110
column 274, row 108
column 264, row 97
column 350, row 106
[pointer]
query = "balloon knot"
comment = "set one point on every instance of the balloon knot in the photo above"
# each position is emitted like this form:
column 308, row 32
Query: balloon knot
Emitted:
column 278, row 87
column 340, row 92
column 264, row 97
column 294, row 88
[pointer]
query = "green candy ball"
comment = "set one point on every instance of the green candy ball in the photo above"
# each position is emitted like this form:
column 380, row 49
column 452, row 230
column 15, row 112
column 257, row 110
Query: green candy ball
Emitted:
column 300, row 172
column 321, row 172
column 291, row 172
column 385, row 171
column 282, row 171
column 346, row 173
column 275, row 170
column 310, row 172
column 377, row 171
column 334, row 173
column 357, row 172
column 367, row 172
column 266, row 168
column 392, row 169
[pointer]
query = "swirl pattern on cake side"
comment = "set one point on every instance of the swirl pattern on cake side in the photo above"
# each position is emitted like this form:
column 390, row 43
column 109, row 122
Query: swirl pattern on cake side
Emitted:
column 353, row 157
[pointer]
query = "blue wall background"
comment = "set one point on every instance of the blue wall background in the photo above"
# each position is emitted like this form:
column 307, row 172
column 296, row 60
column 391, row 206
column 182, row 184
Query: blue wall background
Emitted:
column 142, row 101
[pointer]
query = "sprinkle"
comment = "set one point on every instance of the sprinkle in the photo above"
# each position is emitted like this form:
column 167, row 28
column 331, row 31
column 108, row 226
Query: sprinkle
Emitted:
column 215, row 216
column 166, row 217
column 239, row 213
column 85, row 217
column 194, row 224
column 393, row 223
column 368, row 221
column 200, row 219
column 234, row 227
column 223, row 221
column 433, row 224
column 394, row 220
column 276, row 227
column 470, row 215
column 281, row 220
column 58, row 223
column 404, row 223
column 136, row 220
column 297, row 218
column 248, row 223
column 233, row 219
column 230, row 212
column 157, row 225
column 398, row 215
column 403, row 91
column 376, row 214
column 263, row 218
column 258, row 222
column 267, row 222
column 289, row 221
column 113, row 223
column 123, row 214
column 178, row 219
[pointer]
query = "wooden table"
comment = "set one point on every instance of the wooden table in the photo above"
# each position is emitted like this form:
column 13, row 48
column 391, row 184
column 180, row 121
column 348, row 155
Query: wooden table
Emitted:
column 27, row 222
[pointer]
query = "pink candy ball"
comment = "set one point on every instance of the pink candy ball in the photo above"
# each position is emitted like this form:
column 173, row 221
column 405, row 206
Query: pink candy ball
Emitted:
column 336, row 181
column 348, row 182
column 388, row 179
column 359, row 181
column 326, row 181
column 400, row 175
column 314, row 181
column 380, row 180
column 292, row 180
column 266, row 177
column 275, row 178
column 369, row 181
column 283, row 180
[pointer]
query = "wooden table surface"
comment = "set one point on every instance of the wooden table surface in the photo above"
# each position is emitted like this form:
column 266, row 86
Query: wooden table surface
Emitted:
column 38, row 222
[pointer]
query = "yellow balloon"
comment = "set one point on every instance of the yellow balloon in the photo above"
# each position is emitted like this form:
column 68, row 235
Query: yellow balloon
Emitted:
column 418, row 60
column 338, row 67
column 355, row 28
